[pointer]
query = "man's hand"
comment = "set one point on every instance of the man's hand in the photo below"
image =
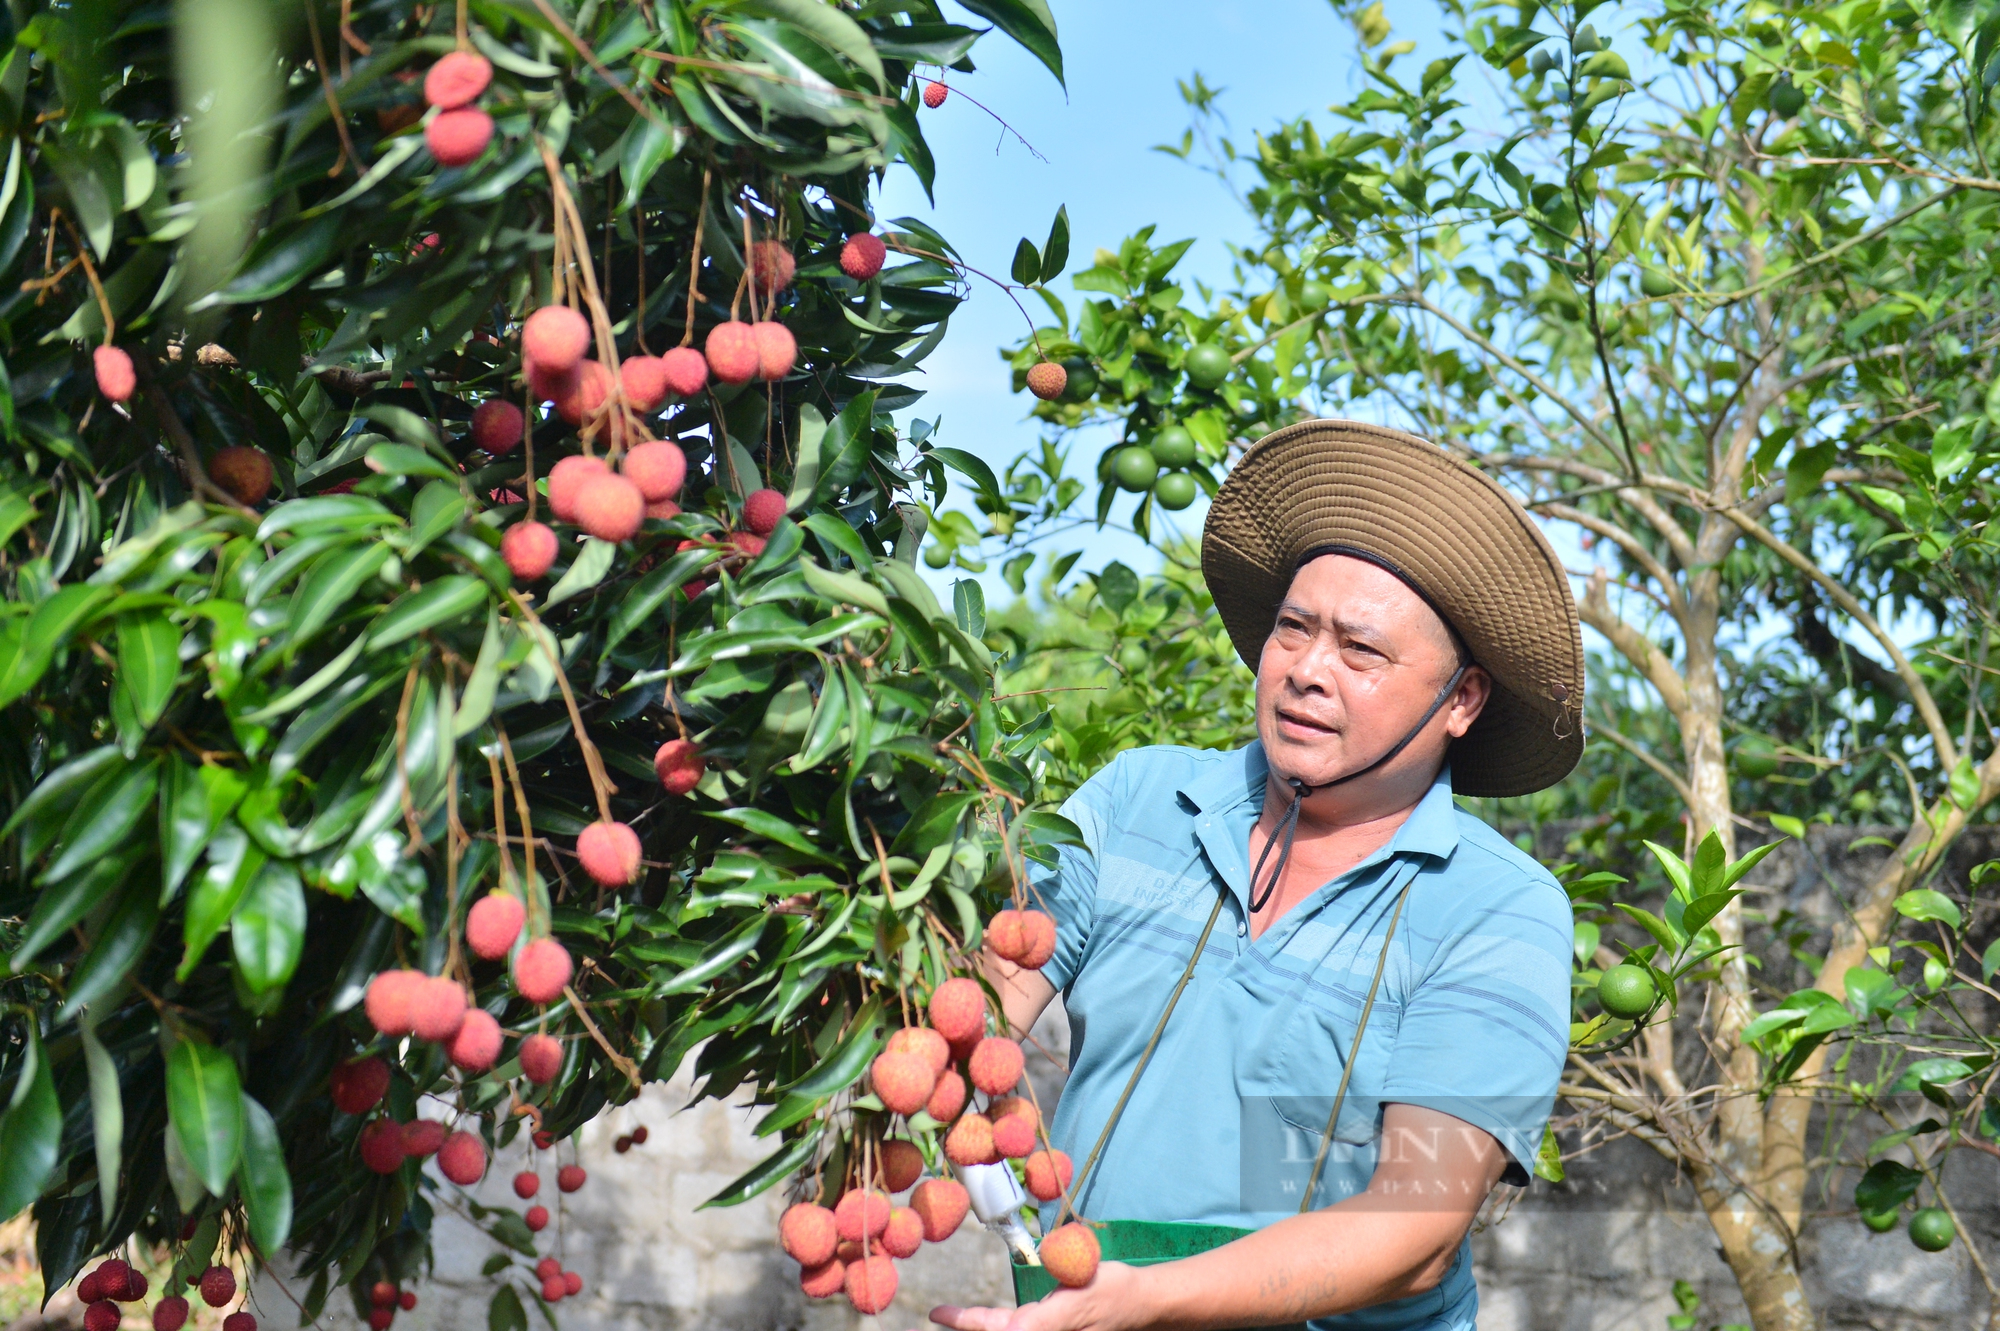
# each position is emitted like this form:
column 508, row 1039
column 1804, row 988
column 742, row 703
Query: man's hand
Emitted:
column 1117, row 1300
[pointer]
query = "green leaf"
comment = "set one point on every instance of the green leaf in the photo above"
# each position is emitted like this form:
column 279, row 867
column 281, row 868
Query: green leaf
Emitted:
column 30, row 1130
column 1676, row 867
column 1931, row 1072
column 585, row 572
column 1926, row 904
column 1028, row 22
column 268, row 930
column 1548, row 1160
column 968, row 605
column 831, row 28
column 1027, row 262
column 107, row 1115
column 438, row 508
column 1705, row 908
column 63, row 905
column 1055, row 254
column 1710, row 863
column 770, row 825
column 844, row 449
column 233, row 864
column 971, row 466
column 1964, row 788
column 1734, row 873
column 1886, row 1186
column 330, row 588
column 267, row 1186
column 1670, row 937
column 149, row 661
column 47, row 630
column 1117, row 587
column 504, row 1312
column 772, row 1169
column 120, row 942
column 194, row 804
column 205, row 1107
column 282, row 259
column 58, row 792
column 105, row 818
column 439, row 601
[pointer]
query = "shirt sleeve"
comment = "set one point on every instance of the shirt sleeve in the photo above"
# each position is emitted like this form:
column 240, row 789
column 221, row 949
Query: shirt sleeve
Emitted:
column 1485, row 1033
column 1068, row 889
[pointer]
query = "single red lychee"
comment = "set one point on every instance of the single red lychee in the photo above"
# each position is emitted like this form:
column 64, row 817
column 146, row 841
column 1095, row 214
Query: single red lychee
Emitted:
column 548, row 1268
column 777, row 350
column 1071, row 1254
column 1003, row 934
column 771, row 268
column 657, row 467
column 1013, row 1136
column 903, row 1082
column 497, row 426
column 476, row 1046
column 958, row 1010
column 555, row 338
column 170, row 1313
column 528, row 548
column 694, row 587
column 823, row 1281
column 970, row 1141
column 422, row 1137
column 541, row 969
column 571, row 1177
column 1038, row 940
column 861, row 257
column 407, row 1300
column 526, row 1184
column 925, row 1043
column 115, row 376
column 871, row 1284
column 493, row 923
column 1048, row 1174
column 808, row 1234
column 218, row 1284
column 732, row 352
column 541, row 1058
column 358, row 1084
column 679, row 764
column 1047, row 379
column 941, row 1203
column 437, row 1009
column 685, row 371
column 456, row 80
column 382, row 1294
column 902, row 1164
column 381, row 1144
column 662, row 508
column 622, row 1145
column 102, row 1315
column 243, row 473
column 639, row 1135
column 644, row 379
column 239, row 1322
column 849, row 1252
column 609, row 853
column 934, row 94
column 457, row 138
column 948, row 1099
column 462, row 1158
column 536, row 1218
column 583, row 391
column 543, row 1139
column 572, row 1282
column 996, row 1065
column 565, row 479
column 904, row 1234
column 108, row 1281
column 546, row 385
column 135, row 1287
column 88, row 1289
column 1014, row 1106
column 610, row 507
column 381, row 1319
column 554, row 1288
column 861, row 1213
column 747, row 543
column 763, row 510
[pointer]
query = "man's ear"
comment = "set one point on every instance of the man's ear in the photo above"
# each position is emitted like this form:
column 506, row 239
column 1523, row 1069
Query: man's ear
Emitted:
column 1473, row 692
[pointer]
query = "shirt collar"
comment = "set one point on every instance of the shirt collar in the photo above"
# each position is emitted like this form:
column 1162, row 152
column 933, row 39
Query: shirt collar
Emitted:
column 1431, row 828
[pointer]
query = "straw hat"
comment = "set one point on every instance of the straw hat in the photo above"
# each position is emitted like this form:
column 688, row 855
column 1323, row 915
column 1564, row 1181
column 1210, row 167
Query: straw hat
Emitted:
column 1461, row 541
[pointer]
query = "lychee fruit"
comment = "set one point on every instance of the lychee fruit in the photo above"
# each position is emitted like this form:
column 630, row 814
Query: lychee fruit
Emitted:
column 1003, row 934
column 904, row 1233
column 622, row 1145
column 849, row 1252
column 239, row 1322
column 771, row 268
column 541, row 969
column 381, row 1145
column 526, row 1184
column 970, row 1141
column 747, row 543
column 497, row 426
column 543, row 1139
column 861, row 257
column 948, row 1098
column 996, row 1065
column 1014, row 1106
column 456, row 80
column 609, row 853
column 639, row 1135
column 108, row 1281
column 763, row 511
column 808, row 1234
column 115, row 376
column 1013, row 1136
column 422, row 1137
column 493, row 923
column 958, row 1010
column 383, row 1294
column 657, row 467
column 476, row 1046
column 102, row 1315
column 1071, row 1254
column 610, row 507
column 694, row 587
column 1038, row 940
column 777, row 349
column 135, row 1287
column 902, row 1081
column 243, row 473
column 662, row 508
column 1046, row 380
column 462, row 1158
column 536, row 1218
column 941, row 1203
column 902, row 1164
column 583, row 391
column 566, row 478
column 572, row 1282
column 935, row 93
column 571, row 1177
column 407, row 1300
column 170, row 1313
column 89, row 1290
column 437, row 1009
column 381, row 1319
column 358, row 1084
column 548, row 1269
column 218, row 1284
column 644, row 379
column 554, row 1288
column 528, row 548
column 685, row 371
column 861, row 1213
column 541, row 1058
column 823, row 1281
column 1048, row 1174
column 679, row 764
column 546, row 385
column 555, row 337
column 732, row 352
column 871, row 1285
column 457, row 138
column 924, row 1042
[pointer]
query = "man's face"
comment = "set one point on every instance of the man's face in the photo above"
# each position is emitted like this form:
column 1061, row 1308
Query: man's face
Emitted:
column 1353, row 661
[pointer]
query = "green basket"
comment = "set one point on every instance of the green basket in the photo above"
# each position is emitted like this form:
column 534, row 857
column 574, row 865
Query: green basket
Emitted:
column 1136, row 1243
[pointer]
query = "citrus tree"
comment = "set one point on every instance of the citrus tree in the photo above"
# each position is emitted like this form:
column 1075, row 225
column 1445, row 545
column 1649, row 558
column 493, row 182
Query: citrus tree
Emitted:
column 460, row 650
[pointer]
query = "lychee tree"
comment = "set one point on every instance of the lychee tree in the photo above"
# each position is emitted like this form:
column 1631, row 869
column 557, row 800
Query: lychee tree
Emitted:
column 460, row 651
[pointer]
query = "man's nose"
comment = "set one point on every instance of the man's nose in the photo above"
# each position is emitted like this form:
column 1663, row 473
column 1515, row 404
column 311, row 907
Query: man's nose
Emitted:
column 1315, row 669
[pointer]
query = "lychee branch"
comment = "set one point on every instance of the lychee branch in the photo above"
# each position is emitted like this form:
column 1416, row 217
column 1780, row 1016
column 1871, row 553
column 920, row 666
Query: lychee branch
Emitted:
column 618, row 1060
column 600, row 780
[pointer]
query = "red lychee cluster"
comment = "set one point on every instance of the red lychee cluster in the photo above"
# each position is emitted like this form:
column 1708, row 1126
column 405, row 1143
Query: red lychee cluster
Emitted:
column 850, row 1248
column 739, row 352
column 636, row 1137
column 459, row 132
column 1025, row 937
column 557, row 1284
column 434, row 1008
column 385, row 1300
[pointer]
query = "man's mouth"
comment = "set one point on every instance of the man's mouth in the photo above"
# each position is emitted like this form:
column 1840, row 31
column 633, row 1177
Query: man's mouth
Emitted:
column 1304, row 726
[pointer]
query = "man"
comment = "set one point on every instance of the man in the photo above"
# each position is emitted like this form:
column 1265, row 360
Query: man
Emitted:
column 1413, row 635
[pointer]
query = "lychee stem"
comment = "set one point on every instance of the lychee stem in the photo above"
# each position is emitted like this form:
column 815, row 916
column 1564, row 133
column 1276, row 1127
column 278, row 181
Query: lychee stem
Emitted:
column 347, row 153
column 618, row 1060
column 958, row 90
column 694, row 260
column 410, row 818
column 500, row 819
column 537, row 917
column 600, row 780
column 464, row 41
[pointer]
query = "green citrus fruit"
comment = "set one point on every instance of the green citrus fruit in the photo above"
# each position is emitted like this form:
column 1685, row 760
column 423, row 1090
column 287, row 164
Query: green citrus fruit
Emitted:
column 1135, row 468
column 1786, row 100
column 1173, row 447
column 1655, row 283
column 1880, row 1221
column 1931, row 1229
column 1315, row 296
column 1627, row 991
column 1175, row 490
column 1208, row 365
column 936, row 555
column 1081, row 385
column 1756, row 757
column 1132, row 657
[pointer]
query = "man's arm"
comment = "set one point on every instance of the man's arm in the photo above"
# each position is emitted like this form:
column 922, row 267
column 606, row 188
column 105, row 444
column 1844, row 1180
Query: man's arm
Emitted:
column 1024, row 994
column 1396, row 1239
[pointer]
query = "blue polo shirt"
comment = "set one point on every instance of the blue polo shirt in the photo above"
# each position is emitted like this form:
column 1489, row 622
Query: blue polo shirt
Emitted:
column 1472, row 1018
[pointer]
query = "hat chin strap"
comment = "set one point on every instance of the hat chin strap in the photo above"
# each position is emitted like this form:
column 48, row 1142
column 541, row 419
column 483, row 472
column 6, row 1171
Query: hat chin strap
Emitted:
column 1288, row 825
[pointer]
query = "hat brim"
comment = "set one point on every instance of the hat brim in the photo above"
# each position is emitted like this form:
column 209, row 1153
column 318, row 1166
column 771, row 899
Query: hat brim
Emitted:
column 1449, row 531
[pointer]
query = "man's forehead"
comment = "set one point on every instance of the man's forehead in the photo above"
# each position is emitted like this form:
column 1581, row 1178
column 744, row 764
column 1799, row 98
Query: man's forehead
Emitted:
column 1335, row 585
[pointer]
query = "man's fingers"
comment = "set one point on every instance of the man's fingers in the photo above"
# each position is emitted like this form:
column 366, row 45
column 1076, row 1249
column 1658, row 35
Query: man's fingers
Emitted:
column 972, row 1319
